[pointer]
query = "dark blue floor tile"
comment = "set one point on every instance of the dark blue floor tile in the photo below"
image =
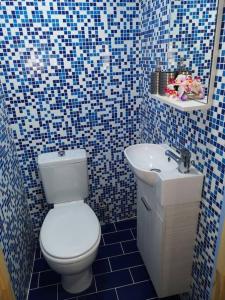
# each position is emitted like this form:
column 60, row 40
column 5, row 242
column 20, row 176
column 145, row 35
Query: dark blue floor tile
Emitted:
column 139, row 273
column 108, row 228
column 48, row 278
column 113, row 279
column 37, row 252
column 34, row 281
column 45, row 293
column 40, row 265
column 62, row 294
column 125, row 261
column 130, row 246
column 116, row 237
column 126, row 224
column 134, row 231
column 101, row 266
column 105, row 295
column 138, row 291
column 109, row 250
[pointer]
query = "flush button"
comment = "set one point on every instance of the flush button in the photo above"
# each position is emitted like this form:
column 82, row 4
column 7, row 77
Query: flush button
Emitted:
column 61, row 153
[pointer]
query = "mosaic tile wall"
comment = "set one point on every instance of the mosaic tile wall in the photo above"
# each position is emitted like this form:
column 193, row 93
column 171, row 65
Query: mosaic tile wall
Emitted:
column 16, row 235
column 203, row 134
column 71, row 80
column 176, row 30
column 190, row 39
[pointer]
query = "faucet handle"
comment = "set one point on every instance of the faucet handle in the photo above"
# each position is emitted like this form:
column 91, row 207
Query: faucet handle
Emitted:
column 185, row 153
column 185, row 160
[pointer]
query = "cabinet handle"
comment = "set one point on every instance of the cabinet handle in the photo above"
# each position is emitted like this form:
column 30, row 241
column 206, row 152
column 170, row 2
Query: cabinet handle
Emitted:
column 147, row 206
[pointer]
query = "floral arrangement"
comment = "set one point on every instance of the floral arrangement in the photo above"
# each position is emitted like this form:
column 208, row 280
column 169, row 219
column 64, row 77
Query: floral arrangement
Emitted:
column 184, row 87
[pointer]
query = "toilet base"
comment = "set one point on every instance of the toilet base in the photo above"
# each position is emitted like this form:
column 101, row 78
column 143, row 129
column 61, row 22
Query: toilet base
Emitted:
column 77, row 283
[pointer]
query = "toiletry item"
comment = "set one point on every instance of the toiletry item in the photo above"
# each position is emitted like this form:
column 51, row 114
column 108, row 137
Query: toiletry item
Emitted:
column 181, row 68
column 171, row 55
column 164, row 80
column 155, row 78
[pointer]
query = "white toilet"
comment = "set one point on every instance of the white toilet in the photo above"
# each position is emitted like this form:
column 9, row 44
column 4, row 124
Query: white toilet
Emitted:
column 70, row 234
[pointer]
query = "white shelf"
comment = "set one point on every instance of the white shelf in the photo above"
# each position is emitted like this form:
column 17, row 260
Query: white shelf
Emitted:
column 189, row 105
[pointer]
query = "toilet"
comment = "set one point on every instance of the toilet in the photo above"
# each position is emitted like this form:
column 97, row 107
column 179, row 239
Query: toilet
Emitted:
column 71, row 233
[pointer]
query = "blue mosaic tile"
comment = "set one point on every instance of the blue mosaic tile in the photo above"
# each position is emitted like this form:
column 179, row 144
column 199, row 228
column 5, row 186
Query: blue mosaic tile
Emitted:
column 15, row 225
column 191, row 36
column 61, row 95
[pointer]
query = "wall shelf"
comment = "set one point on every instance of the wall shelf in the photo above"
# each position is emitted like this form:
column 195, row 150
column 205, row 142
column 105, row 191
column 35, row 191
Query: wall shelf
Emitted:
column 187, row 106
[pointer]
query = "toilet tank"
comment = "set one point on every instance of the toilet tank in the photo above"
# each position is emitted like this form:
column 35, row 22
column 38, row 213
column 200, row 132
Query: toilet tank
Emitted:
column 64, row 177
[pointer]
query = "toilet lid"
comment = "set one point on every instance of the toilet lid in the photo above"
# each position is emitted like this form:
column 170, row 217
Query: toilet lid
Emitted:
column 69, row 230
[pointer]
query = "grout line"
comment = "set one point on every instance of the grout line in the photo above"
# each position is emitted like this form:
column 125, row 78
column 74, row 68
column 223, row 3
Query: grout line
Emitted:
column 120, row 241
column 131, row 275
column 133, row 233
column 57, row 292
column 99, row 274
column 103, row 240
column 122, row 247
column 129, row 284
column 38, row 281
column 110, row 244
column 95, row 283
column 28, row 290
column 92, row 293
column 118, row 231
column 47, row 270
column 127, row 253
column 110, row 265
column 44, row 286
column 117, row 294
column 135, row 217
column 114, row 226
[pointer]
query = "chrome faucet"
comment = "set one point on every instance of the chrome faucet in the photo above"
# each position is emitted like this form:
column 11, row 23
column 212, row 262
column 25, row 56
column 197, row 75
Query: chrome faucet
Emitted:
column 183, row 161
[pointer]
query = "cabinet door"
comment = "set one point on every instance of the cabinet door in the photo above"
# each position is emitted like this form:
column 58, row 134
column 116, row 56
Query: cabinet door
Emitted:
column 149, row 238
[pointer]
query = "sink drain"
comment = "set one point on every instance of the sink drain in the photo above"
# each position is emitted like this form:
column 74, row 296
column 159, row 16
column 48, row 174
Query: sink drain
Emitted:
column 155, row 170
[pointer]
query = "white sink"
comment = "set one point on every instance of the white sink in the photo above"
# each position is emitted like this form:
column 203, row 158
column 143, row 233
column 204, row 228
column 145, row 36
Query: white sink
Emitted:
column 150, row 165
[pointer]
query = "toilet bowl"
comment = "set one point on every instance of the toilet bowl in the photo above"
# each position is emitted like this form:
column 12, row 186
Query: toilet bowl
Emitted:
column 70, row 234
column 69, row 240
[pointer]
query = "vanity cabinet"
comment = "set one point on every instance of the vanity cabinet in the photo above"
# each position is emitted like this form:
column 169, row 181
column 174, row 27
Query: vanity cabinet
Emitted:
column 165, row 238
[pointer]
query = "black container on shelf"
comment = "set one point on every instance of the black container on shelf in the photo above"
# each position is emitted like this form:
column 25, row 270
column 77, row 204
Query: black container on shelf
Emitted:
column 155, row 82
column 155, row 78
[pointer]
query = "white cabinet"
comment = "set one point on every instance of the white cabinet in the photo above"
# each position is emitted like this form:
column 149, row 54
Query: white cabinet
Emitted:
column 165, row 237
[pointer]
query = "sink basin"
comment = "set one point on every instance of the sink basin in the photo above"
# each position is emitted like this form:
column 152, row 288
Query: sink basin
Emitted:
column 150, row 165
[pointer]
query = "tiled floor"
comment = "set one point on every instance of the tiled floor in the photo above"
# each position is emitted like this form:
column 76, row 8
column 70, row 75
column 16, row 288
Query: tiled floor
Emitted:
column 119, row 273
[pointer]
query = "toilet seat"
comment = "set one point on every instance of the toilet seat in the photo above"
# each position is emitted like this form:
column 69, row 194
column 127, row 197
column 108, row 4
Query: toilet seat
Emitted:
column 69, row 231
